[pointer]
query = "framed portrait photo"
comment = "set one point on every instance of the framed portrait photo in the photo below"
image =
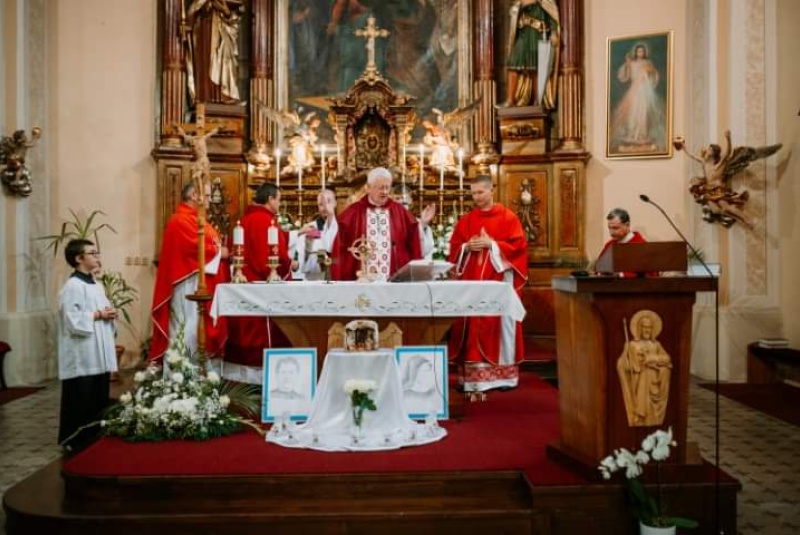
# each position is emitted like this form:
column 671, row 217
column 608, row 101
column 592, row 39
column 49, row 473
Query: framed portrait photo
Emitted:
column 639, row 96
column 423, row 378
column 289, row 384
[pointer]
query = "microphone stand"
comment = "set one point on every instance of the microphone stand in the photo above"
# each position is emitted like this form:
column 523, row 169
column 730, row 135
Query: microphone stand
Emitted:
column 646, row 199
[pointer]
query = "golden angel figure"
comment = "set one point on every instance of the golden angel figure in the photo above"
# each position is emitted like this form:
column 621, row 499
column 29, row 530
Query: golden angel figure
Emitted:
column 439, row 136
column 299, row 133
column 15, row 175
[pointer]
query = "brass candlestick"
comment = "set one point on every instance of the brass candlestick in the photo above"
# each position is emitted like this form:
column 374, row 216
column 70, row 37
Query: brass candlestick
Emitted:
column 441, row 206
column 237, row 260
column 461, row 194
column 272, row 264
column 300, row 206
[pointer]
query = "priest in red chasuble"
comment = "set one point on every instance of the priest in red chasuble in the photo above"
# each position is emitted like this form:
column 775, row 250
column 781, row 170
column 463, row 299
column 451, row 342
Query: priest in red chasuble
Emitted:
column 177, row 277
column 619, row 229
column 390, row 229
column 249, row 336
column 488, row 244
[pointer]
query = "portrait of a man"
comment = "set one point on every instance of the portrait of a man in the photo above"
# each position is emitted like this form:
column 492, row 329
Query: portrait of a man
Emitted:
column 289, row 383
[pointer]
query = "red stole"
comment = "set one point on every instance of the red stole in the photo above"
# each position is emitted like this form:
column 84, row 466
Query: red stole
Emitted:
column 404, row 238
column 249, row 336
column 177, row 262
column 479, row 338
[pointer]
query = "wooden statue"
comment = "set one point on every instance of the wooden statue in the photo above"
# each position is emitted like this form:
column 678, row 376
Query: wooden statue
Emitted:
column 439, row 136
column 16, row 176
column 720, row 203
column 299, row 134
column 644, row 370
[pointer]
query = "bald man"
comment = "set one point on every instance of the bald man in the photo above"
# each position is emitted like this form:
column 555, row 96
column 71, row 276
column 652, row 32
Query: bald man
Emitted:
column 318, row 234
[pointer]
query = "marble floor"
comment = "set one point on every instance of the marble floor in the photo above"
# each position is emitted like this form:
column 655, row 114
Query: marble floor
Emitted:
column 762, row 452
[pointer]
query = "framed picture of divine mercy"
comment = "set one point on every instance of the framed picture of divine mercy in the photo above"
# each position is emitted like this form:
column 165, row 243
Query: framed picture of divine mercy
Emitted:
column 426, row 54
column 639, row 96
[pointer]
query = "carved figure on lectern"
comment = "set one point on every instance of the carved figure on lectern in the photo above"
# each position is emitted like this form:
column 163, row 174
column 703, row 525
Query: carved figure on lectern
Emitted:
column 644, row 370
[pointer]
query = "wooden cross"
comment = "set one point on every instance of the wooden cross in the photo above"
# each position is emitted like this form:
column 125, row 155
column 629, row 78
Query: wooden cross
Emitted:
column 370, row 33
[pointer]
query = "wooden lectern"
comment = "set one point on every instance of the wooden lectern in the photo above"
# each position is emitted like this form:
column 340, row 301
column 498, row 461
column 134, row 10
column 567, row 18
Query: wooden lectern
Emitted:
column 624, row 349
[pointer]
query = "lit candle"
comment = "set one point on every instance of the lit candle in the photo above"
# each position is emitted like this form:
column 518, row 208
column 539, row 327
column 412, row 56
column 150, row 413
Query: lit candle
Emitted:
column 278, row 167
column 460, row 168
column 404, row 164
column 238, row 234
column 441, row 177
column 323, row 167
column 421, row 166
column 272, row 234
column 300, row 178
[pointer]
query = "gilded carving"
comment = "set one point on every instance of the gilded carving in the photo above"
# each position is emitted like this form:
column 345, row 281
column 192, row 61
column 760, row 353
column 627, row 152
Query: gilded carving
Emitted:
column 16, row 176
column 644, row 370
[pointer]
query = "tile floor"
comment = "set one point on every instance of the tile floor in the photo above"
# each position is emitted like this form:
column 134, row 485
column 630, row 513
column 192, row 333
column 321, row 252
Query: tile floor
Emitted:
column 762, row 452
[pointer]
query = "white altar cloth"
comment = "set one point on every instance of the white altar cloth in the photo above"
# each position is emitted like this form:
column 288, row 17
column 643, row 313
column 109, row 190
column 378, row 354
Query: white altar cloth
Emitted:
column 330, row 424
column 350, row 299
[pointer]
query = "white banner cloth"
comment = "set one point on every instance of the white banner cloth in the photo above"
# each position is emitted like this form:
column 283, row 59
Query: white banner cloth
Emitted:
column 330, row 425
column 376, row 299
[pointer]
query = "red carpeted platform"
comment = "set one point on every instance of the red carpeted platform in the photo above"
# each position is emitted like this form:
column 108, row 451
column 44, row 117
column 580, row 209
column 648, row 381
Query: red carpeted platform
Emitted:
column 507, row 432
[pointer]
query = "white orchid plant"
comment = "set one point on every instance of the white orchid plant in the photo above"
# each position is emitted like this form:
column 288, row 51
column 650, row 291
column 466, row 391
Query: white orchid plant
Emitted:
column 359, row 391
column 180, row 402
column 441, row 238
column 650, row 510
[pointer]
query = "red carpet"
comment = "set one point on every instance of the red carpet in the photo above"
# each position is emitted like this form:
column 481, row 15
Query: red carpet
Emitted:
column 778, row 400
column 507, row 432
column 10, row 394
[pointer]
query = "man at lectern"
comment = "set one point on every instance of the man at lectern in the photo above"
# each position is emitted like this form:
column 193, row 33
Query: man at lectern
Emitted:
column 619, row 229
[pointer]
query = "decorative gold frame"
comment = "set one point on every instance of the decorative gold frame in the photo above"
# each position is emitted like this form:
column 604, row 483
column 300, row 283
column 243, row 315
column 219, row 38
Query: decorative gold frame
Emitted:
column 664, row 68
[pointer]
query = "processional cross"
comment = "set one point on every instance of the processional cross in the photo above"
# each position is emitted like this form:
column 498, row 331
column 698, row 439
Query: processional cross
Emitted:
column 361, row 250
column 370, row 33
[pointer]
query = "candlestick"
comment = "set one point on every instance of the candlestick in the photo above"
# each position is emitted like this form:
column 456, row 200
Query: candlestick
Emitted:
column 278, row 167
column 460, row 168
column 441, row 177
column 421, row 167
column 323, row 167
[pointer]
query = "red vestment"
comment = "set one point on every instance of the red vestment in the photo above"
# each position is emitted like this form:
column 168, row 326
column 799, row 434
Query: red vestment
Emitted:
column 478, row 341
column 635, row 238
column 249, row 336
column 177, row 262
column 403, row 235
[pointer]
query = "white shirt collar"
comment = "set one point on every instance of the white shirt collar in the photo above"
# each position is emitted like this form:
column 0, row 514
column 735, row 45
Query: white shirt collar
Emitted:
column 628, row 237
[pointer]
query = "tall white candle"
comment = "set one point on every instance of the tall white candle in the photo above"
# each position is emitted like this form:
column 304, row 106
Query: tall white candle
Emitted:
column 421, row 166
column 404, row 164
column 238, row 234
column 323, row 167
column 299, row 178
column 272, row 234
column 278, row 167
column 460, row 168
column 441, row 177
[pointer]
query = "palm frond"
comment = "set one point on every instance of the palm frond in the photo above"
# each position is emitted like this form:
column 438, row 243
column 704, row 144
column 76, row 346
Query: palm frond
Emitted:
column 245, row 398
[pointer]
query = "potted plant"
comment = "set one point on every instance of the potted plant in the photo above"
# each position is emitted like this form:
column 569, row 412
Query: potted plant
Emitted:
column 77, row 229
column 121, row 296
column 650, row 510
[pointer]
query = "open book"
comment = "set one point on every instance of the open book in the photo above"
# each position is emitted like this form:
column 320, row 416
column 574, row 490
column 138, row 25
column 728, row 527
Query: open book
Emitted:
column 421, row 270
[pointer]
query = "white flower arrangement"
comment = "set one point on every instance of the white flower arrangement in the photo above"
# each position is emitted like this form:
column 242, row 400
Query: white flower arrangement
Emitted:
column 649, row 510
column 441, row 239
column 360, row 385
column 358, row 390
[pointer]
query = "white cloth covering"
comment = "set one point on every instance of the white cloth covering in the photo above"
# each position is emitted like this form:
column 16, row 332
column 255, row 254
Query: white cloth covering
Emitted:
column 330, row 424
column 85, row 346
column 183, row 310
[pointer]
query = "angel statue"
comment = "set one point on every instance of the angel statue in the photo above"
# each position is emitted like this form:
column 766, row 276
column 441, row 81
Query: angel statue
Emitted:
column 300, row 134
column 16, row 176
column 720, row 203
column 439, row 136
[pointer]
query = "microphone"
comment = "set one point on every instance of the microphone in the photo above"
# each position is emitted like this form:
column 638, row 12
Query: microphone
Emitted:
column 646, row 199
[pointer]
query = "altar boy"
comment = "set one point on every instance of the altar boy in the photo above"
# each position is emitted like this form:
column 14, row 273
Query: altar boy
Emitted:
column 86, row 354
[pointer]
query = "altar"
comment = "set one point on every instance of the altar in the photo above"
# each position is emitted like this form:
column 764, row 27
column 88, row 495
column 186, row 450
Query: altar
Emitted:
column 422, row 310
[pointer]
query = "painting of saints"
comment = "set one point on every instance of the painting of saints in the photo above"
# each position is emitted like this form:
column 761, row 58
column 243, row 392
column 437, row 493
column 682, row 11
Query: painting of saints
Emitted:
column 639, row 92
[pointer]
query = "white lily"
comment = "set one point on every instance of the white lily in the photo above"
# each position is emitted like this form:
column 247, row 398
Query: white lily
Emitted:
column 125, row 398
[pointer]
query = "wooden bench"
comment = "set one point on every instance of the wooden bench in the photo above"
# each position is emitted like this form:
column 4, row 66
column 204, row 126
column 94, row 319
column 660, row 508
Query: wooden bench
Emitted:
column 766, row 366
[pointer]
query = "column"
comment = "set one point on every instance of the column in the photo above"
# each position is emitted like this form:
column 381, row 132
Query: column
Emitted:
column 484, row 84
column 173, row 77
column 570, row 79
column 261, row 72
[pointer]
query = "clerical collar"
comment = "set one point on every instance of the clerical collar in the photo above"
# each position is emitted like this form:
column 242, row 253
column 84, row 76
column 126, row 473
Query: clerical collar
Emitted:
column 371, row 204
column 85, row 277
column 628, row 237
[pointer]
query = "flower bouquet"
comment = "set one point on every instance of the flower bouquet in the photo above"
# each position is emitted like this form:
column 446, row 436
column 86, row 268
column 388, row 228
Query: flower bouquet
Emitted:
column 650, row 510
column 441, row 238
column 359, row 391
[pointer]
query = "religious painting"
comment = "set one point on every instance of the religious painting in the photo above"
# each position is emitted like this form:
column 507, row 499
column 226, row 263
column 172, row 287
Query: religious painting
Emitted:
column 639, row 96
column 289, row 383
column 425, row 54
column 423, row 377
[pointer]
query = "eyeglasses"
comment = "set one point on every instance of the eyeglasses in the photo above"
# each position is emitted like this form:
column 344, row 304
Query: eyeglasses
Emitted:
column 92, row 253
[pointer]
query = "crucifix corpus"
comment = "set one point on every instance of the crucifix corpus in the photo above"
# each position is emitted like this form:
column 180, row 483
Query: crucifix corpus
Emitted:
column 370, row 33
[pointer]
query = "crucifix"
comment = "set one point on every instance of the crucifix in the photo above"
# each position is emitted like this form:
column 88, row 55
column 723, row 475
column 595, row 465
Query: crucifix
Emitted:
column 370, row 33
column 361, row 251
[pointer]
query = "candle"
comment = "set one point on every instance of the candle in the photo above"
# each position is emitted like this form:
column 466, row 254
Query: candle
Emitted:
column 441, row 177
column 460, row 168
column 272, row 234
column 404, row 164
column 300, row 178
column 421, row 166
column 238, row 234
column 278, row 167
column 323, row 167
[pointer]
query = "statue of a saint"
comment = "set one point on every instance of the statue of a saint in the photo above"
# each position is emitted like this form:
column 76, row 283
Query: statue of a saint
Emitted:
column 15, row 175
column 212, row 51
column 534, row 38
column 644, row 370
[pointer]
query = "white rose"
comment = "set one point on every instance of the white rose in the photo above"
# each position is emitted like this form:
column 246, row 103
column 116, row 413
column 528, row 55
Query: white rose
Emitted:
column 138, row 377
column 213, row 378
column 224, row 401
column 177, row 377
column 173, row 357
column 125, row 398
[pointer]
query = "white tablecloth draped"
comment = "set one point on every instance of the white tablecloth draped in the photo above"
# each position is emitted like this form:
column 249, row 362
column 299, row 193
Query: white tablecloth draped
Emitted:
column 330, row 424
column 350, row 299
